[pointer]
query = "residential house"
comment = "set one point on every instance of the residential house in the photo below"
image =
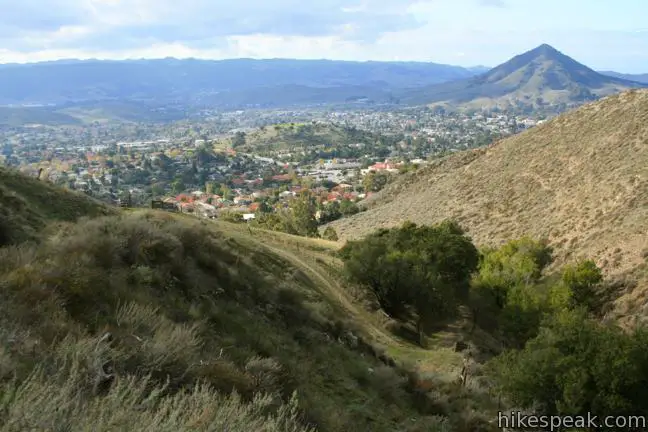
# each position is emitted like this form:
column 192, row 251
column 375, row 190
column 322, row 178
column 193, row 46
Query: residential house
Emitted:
column 253, row 207
column 243, row 200
column 333, row 196
column 186, row 207
column 381, row 166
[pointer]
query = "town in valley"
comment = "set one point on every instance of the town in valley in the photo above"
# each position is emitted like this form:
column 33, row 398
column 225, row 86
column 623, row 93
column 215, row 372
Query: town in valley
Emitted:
column 241, row 161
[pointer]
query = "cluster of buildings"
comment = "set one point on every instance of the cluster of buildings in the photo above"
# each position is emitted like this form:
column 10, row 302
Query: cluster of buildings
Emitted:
column 209, row 205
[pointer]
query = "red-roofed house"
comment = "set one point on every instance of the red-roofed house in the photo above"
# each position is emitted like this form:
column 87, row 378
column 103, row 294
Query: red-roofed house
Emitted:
column 333, row 196
column 253, row 207
column 184, row 198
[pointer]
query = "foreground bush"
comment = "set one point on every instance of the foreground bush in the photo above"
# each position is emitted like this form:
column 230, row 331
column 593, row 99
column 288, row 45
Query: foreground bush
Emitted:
column 577, row 366
column 62, row 400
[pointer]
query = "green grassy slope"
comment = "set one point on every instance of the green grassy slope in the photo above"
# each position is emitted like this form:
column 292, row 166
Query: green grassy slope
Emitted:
column 195, row 310
column 29, row 204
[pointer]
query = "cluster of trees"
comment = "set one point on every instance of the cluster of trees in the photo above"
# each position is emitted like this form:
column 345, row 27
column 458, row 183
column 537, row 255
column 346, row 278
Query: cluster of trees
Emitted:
column 577, row 365
column 301, row 216
column 418, row 273
column 336, row 209
column 239, row 139
column 376, row 181
column 297, row 219
column 560, row 358
column 511, row 295
column 507, row 295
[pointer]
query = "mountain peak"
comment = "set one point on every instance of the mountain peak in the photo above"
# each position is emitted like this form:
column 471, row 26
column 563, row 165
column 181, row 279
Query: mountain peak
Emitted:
column 545, row 48
column 537, row 78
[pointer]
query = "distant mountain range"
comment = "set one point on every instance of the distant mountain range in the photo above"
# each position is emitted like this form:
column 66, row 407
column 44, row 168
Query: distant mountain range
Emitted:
column 74, row 91
column 216, row 82
column 642, row 78
column 535, row 79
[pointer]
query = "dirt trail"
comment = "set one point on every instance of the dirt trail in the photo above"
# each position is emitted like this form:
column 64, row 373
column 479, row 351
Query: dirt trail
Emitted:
column 438, row 359
column 334, row 290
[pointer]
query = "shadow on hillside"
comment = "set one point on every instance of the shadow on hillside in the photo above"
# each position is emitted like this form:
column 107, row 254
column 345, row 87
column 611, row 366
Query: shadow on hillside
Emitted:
column 443, row 333
column 405, row 331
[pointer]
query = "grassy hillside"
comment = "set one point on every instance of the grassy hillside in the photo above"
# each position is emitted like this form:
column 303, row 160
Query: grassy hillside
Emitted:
column 299, row 137
column 579, row 180
column 148, row 321
column 20, row 116
column 122, row 111
column 88, row 112
column 29, row 204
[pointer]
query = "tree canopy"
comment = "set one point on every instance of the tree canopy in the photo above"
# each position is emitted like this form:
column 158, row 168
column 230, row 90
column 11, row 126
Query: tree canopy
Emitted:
column 418, row 272
column 577, row 366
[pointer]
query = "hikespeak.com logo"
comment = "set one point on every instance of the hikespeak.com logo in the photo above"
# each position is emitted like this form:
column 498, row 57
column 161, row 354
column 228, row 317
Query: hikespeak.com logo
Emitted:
column 520, row 420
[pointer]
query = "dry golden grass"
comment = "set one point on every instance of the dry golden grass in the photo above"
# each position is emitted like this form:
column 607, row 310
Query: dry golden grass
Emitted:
column 579, row 180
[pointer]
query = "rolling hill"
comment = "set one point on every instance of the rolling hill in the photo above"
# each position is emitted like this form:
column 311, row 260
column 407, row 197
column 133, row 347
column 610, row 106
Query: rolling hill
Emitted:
column 144, row 320
column 579, row 180
column 73, row 92
column 20, row 116
column 328, row 139
column 539, row 77
column 78, row 114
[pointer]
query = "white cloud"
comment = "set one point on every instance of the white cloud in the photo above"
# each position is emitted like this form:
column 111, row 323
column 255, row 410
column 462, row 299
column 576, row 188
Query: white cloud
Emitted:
column 427, row 30
column 125, row 23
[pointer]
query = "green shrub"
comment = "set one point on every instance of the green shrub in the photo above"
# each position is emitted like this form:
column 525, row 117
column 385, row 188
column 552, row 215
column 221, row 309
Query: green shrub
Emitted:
column 330, row 234
column 231, row 216
column 133, row 404
column 425, row 269
column 577, row 366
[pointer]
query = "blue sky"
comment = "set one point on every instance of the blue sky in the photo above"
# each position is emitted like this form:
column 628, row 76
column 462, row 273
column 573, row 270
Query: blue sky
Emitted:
column 604, row 34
